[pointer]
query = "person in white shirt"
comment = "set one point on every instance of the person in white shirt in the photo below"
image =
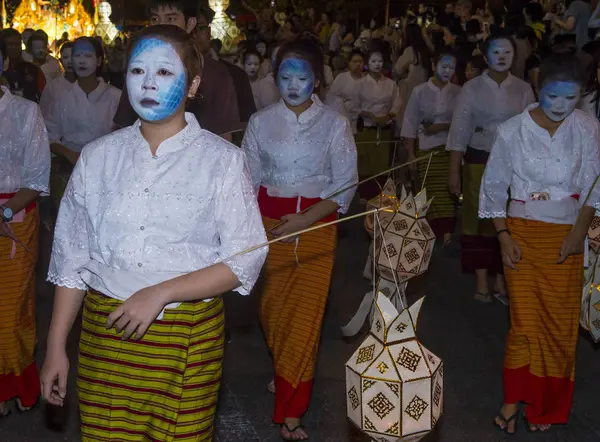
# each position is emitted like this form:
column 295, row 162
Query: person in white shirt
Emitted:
column 547, row 158
column 346, row 85
column 37, row 53
column 427, row 116
column 378, row 104
column 82, row 114
column 162, row 211
column 24, row 175
column 484, row 103
column 300, row 153
column 57, row 88
column 265, row 66
column 251, row 63
column 265, row 90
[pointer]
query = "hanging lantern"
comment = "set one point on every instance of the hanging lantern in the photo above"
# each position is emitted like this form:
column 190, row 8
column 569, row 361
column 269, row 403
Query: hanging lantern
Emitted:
column 590, row 301
column 394, row 385
column 594, row 234
column 387, row 198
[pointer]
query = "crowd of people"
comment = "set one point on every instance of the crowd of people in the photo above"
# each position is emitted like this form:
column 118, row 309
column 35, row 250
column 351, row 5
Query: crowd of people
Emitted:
column 131, row 149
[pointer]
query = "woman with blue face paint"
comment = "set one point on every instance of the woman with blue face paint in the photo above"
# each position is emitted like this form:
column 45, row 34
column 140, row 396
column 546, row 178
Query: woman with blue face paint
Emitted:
column 24, row 175
column 484, row 103
column 428, row 116
column 547, row 157
column 82, row 114
column 299, row 152
column 161, row 209
column 378, row 103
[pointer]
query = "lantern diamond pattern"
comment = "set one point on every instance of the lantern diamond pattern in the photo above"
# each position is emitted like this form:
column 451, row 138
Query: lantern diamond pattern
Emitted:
column 397, row 395
column 594, row 234
column 590, row 299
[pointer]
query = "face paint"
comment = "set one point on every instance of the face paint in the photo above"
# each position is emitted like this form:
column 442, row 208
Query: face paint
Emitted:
column 156, row 80
column 445, row 68
column 296, row 81
column 38, row 49
column 65, row 59
column 558, row 99
column 251, row 65
column 85, row 60
column 376, row 63
column 261, row 48
column 500, row 55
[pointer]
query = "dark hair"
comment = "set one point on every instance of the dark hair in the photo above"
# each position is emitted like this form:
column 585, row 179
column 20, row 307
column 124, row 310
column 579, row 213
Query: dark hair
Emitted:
column 377, row 47
column 65, row 45
column 527, row 33
column 305, row 50
column 97, row 49
column 205, row 12
column 473, row 27
column 10, row 32
column 414, row 39
column 443, row 52
column 37, row 36
column 187, row 7
column 513, row 23
column 561, row 67
column 534, row 11
column 250, row 52
column 356, row 53
column 496, row 37
column 181, row 40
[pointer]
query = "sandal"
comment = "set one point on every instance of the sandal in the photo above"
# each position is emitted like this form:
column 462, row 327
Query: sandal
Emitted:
column 502, row 298
column 505, row 422
column 537, row 428
column 485, row 298
column 292, row 431
column 271, row 387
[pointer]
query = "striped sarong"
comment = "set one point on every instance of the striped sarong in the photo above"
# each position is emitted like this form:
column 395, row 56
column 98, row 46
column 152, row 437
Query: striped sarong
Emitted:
column 545, row 301
column 292, row 305
column 161, row 388
column 18, row 372
column 372, row 158
column 442, row 213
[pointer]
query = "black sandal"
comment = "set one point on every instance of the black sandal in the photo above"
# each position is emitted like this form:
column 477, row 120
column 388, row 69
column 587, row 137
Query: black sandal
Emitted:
column 293, row 430
column 505, row 422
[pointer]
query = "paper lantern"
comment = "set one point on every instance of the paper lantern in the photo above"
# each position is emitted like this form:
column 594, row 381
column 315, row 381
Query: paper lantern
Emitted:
column 387, row 198
column 394, row 385
column 590, row 301
column 594, row 234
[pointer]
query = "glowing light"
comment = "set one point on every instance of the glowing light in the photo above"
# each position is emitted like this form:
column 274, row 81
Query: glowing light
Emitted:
column 223, row 28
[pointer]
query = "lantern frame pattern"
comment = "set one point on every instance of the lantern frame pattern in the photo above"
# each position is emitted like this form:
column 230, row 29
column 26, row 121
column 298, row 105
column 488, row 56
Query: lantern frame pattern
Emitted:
column 394, row 385
column 590, row 301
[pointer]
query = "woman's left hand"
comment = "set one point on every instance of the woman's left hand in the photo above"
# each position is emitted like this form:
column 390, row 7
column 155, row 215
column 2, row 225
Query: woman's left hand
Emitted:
column 137, row 313
column 573, row 244
column 293, row 223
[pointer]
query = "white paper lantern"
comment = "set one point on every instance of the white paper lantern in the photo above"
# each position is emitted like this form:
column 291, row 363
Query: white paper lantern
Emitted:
column 594, row 234
column 590, row 301
column 387, row 198
column 394, row 385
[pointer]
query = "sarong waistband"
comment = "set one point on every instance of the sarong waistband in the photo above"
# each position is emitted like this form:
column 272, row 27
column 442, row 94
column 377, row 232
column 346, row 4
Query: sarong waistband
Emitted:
column 7, row 196
column 563, row 211
column 475, row 156
column 275, row 207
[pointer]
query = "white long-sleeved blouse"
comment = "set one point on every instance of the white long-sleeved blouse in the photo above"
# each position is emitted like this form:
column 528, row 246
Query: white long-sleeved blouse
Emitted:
column 380, row 97
column 130, row 220
column 265, row 92
column 526, row 159
column 429, row 103
column 75, row 119
column 312, row 156
column 345, row 86
column 24, row 148
column 482, row 106
column 54, row 90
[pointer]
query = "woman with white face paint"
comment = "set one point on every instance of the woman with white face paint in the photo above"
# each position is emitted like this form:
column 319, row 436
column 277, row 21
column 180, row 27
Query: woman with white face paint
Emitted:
column 82, row 114
column 265, row 90
column 57, row 88
column 299, row 152
column 379, row 103
column 484, row 103
column 427, row 117
column 161, row 209
column 548, row 158
column 265, row 66
column 252, row 61
column 346, row 85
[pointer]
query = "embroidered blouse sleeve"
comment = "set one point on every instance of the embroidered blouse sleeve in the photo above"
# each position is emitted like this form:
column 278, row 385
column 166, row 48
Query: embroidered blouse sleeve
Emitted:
column 35, row 172
column 342, row 160
column 410, row 125
column 461, row 127
column 239, row 224
column 70, row 250
column 496, row 180
column 52, row 117
column 590, row 168
column 251, row 147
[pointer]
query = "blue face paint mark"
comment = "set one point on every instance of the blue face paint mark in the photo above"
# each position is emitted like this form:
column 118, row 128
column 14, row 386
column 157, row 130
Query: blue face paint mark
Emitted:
column 558, row 99
column 296, row 81
column 156, row 80
column 445, row 68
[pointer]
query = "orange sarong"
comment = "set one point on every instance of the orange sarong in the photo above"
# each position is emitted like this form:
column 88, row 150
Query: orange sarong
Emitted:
column 545, row 302
column 18, row 372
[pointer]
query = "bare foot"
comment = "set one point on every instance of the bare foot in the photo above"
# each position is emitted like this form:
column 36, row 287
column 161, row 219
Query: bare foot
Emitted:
column 543, row 428
column 271, row 387
column 506, row 420
column 293, row 430
column 447, row 239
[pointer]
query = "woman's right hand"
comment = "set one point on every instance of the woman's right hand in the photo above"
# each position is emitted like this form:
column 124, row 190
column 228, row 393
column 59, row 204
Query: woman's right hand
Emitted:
column 454, row 184
column 54, row 377
column 511, row 252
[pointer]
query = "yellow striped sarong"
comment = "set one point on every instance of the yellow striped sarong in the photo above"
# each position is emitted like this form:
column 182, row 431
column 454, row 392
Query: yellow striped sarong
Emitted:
column 545, row 301
column 161, row 388
column 18, row 372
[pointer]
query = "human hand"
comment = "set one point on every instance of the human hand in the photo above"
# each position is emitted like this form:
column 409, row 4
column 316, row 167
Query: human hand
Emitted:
column 137, row 313
column 454, row 184
column 573, row 244
column 53, row 377
column 291, row 223
column 511, row 252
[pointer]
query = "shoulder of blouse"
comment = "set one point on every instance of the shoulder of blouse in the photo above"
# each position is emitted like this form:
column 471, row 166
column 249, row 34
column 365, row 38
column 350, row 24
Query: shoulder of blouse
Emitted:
column 585, row 121
column 510, row 126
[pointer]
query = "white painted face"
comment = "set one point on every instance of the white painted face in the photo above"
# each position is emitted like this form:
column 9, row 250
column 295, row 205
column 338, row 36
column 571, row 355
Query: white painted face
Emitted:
column 66, row 59
column 251, row 65
column 39, row 49
column 558, row 99
column 85, row 60
column 376, row 63
column 261, row 48
column 445, row 68
column 296, row 81
column 156, row 80
column 500, row 55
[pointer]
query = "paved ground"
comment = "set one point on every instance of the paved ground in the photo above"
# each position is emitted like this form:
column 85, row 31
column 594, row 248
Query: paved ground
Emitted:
column 468, row 336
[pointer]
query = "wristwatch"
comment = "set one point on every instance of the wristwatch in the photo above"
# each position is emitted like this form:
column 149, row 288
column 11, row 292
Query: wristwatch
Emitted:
column 6, row 214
